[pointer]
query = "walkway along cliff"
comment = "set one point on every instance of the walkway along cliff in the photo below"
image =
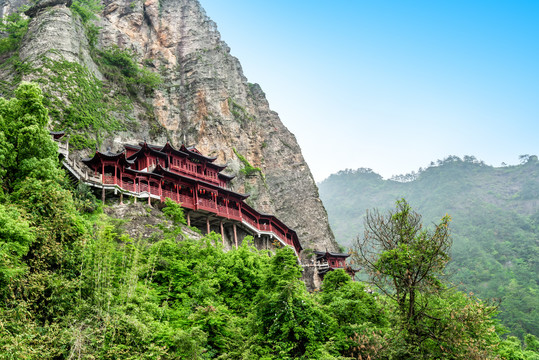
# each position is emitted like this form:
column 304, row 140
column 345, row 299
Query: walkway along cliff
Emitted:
column 186, row 176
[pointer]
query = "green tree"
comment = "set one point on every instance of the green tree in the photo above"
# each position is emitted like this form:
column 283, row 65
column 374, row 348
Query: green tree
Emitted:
column 361, row 320
column 174, row 212
column 287, row 322
column 406, row 262
column 27, row 149
column 14, row 26
column 16, row 236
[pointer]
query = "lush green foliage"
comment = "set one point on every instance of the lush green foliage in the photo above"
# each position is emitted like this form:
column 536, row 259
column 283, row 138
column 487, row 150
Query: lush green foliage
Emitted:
column 406, row 262
column 247, row 169
column 494, row 229
column 75, row 285
column 26, row 149
column 118, row 66
column 88, row 111
column 86, row 9
column 14, row 26
column 175, row 212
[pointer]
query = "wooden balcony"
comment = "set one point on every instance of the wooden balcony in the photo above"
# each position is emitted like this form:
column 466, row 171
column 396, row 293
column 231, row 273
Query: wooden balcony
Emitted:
column 194, row 174
column 207, row 204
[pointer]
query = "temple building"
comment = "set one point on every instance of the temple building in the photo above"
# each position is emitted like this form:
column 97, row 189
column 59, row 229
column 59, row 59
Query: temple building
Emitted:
column 184, row 175
column 328, row 261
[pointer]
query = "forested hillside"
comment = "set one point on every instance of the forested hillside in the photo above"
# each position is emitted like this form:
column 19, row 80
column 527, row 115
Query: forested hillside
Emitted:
column 495, row 224
column 76, row 283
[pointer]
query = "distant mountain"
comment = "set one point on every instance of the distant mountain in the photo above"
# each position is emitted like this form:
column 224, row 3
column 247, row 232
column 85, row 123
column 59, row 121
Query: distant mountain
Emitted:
column 495, row 227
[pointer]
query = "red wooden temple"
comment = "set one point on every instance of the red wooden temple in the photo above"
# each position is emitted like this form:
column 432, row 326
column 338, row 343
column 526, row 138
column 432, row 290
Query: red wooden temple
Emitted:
column 187, row 177
column 328, row 261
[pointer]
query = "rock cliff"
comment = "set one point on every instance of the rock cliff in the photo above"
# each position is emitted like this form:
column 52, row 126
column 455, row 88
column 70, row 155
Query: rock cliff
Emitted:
column 204, row 99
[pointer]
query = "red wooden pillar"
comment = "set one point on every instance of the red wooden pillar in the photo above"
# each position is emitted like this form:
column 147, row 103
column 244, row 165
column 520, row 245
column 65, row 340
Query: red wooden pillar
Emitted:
column 161, row 191
column 195, row 196
column 115, row 172
column 222, row 232
column 235, row 235
column 103, row 173
column 136, row 187
column 149, row 193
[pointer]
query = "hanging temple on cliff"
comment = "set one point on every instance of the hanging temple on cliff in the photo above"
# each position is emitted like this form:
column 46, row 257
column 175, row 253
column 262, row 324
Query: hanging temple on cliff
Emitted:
column 193, row 180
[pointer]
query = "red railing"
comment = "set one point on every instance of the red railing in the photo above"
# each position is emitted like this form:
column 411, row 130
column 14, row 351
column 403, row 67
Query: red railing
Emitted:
column 279, row 233
column 128, row 187
column 251, row 221
column 221, row 210
column 205, row 204
column 187, row 201
column 234, row 213
column 195, row 174
column 109, row 179
column 170, row 194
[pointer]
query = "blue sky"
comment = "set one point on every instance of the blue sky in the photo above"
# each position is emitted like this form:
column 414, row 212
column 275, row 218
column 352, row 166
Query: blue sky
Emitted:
column 393, row 85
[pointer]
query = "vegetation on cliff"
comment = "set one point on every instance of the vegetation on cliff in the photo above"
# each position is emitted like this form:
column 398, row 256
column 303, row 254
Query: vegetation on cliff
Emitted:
column 75, row 285
column 90, row 109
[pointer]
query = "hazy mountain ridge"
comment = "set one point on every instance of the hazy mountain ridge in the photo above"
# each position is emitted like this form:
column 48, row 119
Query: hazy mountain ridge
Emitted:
column 495, row 227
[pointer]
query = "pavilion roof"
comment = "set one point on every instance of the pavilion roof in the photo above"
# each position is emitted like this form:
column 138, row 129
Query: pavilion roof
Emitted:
column 159, row 169
column 99, row 157
column 132, row 147
column 227, row 177
column 169, row 148
column 57, row 134
column 184, row 151
column 325, row 253
column 143, row 147
column 144, row 173
column 191, row 150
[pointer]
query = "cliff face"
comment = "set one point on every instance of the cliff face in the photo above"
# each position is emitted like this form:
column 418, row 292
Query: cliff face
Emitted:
column 204, row 99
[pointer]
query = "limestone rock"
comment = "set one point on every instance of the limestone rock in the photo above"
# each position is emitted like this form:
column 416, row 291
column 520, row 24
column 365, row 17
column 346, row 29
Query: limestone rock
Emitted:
column 10, row 6
column 43, row 4
column 56, row 33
